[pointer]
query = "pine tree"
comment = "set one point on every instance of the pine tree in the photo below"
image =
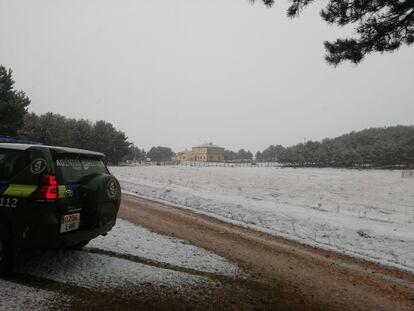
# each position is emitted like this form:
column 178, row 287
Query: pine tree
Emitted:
column 380, row 26
column 13, row 104
column 160, row 154
column 375, row 147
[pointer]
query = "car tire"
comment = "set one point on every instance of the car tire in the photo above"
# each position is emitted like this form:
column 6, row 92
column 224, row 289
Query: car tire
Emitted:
column 6, row 254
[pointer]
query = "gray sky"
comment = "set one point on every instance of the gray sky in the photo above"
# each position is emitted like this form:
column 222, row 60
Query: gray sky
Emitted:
column 185, row 72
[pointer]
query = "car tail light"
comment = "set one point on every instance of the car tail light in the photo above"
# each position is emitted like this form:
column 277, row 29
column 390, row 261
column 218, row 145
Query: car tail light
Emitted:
column 48, row 190
column 49, row 180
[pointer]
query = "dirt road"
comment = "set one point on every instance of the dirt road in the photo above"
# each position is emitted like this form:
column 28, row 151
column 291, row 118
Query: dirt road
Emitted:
column 301, row 277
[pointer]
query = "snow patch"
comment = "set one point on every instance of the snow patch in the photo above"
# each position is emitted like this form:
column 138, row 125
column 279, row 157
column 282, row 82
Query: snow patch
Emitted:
column 127, row 238
column 16, row 297
column 101, row 272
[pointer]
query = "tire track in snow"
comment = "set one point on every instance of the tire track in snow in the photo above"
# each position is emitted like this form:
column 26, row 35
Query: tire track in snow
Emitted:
column 161, row 265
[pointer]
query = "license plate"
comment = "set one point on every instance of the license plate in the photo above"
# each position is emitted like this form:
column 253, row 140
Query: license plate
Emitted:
column 70, row 222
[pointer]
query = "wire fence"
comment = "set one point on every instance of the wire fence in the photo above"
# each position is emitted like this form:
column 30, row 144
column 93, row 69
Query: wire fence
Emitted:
column 230, row 164
column 207, row 164
column 405, row 173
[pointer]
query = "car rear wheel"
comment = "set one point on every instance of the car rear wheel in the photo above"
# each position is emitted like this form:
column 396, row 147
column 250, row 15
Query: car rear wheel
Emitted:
column 5, row 250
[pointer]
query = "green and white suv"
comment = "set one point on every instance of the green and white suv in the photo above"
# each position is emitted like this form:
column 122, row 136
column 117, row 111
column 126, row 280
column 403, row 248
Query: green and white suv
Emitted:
column 53, row 197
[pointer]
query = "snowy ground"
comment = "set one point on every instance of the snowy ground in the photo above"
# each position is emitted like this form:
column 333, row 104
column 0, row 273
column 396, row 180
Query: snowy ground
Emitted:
column 23, row 298
column 369, row 214
column 127, row 238
column 126, row 259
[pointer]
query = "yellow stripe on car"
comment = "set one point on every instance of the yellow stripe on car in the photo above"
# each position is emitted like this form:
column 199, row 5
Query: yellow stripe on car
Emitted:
column 61, row 192
column 16, row 190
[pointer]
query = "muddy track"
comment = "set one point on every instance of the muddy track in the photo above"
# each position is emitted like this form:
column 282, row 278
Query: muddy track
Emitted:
column 302, row 277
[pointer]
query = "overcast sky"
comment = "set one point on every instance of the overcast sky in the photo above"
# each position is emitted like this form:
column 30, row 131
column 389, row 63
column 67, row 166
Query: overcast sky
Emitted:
column 184, row 72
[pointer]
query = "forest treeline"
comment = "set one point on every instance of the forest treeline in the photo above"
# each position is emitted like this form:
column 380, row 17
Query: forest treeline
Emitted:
column 374, row 147
column 241, row 155
column 57, row 130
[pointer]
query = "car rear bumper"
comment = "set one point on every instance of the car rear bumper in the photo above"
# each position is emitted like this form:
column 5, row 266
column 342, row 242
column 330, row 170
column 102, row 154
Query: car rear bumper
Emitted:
column 48, row 238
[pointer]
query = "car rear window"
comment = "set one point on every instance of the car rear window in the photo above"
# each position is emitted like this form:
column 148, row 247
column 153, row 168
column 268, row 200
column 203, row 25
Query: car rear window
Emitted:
column 12, row 162
column 73, row 169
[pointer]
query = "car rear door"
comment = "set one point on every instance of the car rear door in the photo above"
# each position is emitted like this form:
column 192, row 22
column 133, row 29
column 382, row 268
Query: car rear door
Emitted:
column 81, row 202
column 21, row 174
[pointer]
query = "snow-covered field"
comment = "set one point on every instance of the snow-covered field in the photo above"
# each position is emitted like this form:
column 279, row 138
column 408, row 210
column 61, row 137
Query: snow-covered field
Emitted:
column 368, row 214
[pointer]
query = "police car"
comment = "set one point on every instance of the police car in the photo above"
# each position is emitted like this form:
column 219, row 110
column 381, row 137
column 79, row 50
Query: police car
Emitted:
column 53, row 197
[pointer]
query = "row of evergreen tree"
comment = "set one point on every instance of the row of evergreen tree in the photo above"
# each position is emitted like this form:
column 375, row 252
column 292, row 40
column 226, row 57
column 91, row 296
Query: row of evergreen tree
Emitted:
column 57, row 130
column 375, row 147
column 158, row 154
column 241, row 155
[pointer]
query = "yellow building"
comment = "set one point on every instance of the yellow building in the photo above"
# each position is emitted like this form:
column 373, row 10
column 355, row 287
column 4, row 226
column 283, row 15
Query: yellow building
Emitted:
column 183, row 156
column 208, row 153
column 204, row 153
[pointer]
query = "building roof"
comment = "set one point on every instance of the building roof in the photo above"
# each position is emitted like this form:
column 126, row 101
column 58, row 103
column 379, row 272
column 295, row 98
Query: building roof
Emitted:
column 209, row 145
column 55, row 148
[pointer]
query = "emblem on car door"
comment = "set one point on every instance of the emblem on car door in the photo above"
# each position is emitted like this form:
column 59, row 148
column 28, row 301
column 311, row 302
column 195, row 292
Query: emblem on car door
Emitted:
column 38, row 166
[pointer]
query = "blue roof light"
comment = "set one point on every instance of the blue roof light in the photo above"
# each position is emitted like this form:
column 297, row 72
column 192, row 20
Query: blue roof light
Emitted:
column 13, row 140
